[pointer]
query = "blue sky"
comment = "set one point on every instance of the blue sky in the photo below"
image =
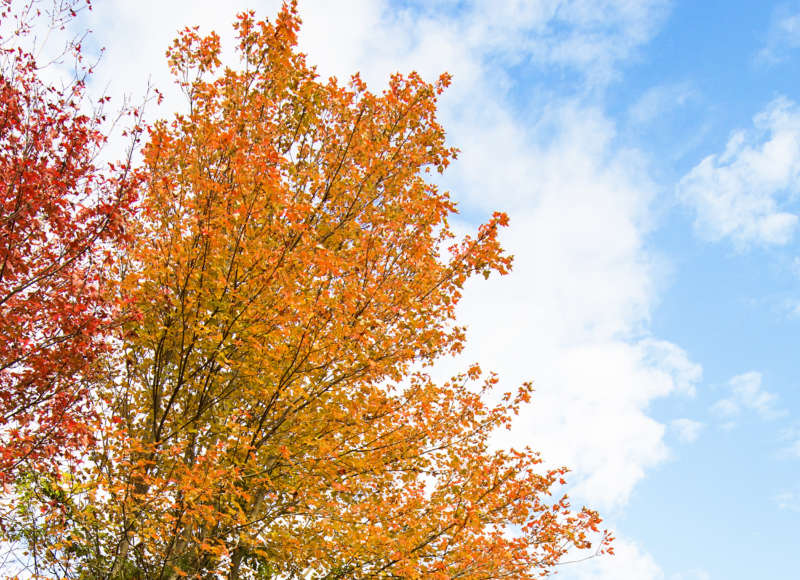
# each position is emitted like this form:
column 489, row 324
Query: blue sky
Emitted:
column 648, row 153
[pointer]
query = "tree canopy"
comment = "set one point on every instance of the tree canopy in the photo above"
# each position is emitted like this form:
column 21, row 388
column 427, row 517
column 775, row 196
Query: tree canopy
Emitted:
column 60, row 215
column 261, row 406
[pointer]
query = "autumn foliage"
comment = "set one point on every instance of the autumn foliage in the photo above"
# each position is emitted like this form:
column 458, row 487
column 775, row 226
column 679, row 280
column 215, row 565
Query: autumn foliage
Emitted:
column 58, row 215
column 264, row 408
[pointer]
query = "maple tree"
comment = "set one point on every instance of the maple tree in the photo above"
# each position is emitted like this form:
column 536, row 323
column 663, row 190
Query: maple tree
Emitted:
column 267, row 408
column 59, row 213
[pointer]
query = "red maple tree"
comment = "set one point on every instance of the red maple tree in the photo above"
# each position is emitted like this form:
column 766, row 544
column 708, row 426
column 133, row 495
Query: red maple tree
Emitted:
column 60, row 215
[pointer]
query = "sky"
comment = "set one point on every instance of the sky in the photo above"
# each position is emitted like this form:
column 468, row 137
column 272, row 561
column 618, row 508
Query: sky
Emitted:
column 648, row 155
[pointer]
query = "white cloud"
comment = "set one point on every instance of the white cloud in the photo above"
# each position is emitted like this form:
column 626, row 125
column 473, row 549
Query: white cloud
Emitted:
column 630, row 562
column 659, row 99
column 573, row 313
column 687, row 429
column 135, row 42
column 590, row 37
column 794, row 448
column 782, row 38
column 747, row 394
column 672, row 360
column 694, row 574
column 593, row 36
column 739, row 194
column 791, row 439
column 788, row 500
column 792, row 307
column 377, row 38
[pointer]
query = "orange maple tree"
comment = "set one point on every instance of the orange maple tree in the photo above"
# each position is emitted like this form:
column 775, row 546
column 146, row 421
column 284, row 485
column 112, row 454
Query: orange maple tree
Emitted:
column 268, row 411
column 59, row 214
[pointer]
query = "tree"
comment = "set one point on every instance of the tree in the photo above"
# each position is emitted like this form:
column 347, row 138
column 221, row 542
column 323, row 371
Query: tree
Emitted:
column 59, row 216
column 269, row 412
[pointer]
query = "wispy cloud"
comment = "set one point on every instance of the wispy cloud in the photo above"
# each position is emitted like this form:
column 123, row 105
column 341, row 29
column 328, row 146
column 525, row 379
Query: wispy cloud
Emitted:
column 687, row 430
column 791, row 442
column 788, row 500
column 739, row 194
column 630, row 562
column 593, row 37
column 659, row 99
column 695, row 574
column 747, row 394
column 783, row 37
